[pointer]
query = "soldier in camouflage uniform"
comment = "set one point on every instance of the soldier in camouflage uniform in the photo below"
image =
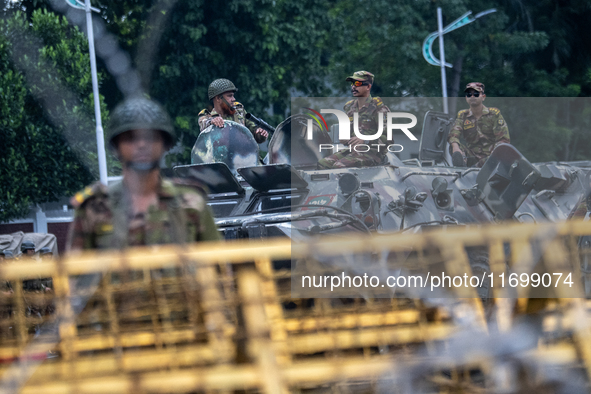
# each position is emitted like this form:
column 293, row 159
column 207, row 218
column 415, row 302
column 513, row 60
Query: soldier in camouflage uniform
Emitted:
column 369, row 109
column 143, row 209
column 225, row 107
column 481, row 128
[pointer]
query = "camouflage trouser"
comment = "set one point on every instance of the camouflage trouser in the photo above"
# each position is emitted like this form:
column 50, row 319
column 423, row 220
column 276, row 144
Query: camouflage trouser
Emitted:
column 345, row 159
column 474, row 158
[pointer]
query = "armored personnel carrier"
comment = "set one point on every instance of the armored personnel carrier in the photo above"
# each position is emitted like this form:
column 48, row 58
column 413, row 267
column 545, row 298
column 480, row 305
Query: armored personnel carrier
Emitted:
column 288, row 196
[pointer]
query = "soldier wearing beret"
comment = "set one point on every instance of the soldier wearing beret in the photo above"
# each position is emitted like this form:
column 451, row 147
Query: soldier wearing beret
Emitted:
column 369, row 109
column 482, row 128
column 225, row 107
column 144, row 208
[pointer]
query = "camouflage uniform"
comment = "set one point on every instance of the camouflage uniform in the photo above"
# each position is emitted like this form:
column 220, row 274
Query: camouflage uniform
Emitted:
column 206, row 116
column 103, row 214
column 481, row 135
column 101, row 219
column 368, row 124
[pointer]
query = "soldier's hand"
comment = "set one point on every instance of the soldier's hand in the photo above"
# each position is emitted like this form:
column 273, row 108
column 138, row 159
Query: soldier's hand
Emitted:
column 261, row 135
column 355, row 141
column 218, row 121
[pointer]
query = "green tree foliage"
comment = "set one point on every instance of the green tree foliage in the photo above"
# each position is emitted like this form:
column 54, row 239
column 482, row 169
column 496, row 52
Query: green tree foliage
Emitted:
column 271, row 48
column 525, row 49
column 266, row 47
column 46, row 112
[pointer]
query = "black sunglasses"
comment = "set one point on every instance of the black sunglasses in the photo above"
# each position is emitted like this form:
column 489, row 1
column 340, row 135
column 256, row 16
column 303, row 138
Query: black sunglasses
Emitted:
column 475, row 94
column 359, row 83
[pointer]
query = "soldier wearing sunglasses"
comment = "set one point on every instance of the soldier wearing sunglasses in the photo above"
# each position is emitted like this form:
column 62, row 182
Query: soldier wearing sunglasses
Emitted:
column 482, row 129
column 368, row 107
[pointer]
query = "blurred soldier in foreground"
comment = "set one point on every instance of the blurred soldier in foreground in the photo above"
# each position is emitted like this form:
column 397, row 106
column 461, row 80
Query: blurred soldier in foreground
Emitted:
column 482, row 128
column 369, row 109
column 225, row 107
column 143, row 209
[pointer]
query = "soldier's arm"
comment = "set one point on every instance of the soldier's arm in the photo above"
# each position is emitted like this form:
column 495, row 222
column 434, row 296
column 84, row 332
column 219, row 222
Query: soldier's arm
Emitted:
column 204, row 120
column 200, row 223
column 209, row 231
column 90, row 208
column 501, row 131
column 79, row 237
column 456, row 131
column 250, row 125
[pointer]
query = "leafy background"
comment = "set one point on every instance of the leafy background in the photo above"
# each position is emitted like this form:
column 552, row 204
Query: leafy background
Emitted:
column 271, row 49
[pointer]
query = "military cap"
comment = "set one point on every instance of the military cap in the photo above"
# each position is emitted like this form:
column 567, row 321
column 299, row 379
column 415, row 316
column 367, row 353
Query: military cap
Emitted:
column 45, row 250
column 478, row 86
column 27, row 245
column 361, row 76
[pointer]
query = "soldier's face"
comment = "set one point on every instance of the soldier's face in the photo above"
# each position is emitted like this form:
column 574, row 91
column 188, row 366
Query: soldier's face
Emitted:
column 229, row 98
column 140, row 146
column 472, row 100
column 360, row 91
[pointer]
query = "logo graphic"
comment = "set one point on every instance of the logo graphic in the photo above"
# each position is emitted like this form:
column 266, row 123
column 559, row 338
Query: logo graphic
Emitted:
column 344, row 126
column 317, row 117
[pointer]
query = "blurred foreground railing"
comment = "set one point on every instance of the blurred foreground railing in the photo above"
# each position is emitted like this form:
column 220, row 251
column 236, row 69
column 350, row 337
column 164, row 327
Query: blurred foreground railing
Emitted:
column 231, row 316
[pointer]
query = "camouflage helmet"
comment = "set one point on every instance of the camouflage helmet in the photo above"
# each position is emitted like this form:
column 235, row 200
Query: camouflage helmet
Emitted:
column 27, row 245
column 140, row 113
column 220, row 86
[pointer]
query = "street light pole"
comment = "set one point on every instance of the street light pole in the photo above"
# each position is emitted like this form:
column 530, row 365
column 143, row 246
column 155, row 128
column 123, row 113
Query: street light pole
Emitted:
column 100, row 138
column 428, row 43
column 442, row 59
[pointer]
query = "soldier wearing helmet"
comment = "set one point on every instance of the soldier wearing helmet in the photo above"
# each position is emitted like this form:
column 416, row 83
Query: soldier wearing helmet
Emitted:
column 482, row 128
column 144, row 208
column 225, row 107
column 46, row 253
column 28, row 249
column 369, row 109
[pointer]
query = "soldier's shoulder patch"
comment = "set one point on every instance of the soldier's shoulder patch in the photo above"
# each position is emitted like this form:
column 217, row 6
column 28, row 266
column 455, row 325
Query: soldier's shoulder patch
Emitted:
column 501, row 121
column 494, row 111
column 349, row 103
column 89, row 192
column 378, row 101
column 203, row 112
column 238, row 104
column 463, row 113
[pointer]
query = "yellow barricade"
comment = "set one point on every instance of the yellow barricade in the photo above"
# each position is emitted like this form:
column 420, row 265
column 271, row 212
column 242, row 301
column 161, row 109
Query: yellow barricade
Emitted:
column 221, row 317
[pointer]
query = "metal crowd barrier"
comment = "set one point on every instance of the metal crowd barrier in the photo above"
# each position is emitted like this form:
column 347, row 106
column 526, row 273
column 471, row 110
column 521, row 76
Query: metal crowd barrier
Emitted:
column 222, row 317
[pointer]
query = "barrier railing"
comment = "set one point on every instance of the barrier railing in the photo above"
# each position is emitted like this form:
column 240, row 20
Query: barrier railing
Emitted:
column 235, row 316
